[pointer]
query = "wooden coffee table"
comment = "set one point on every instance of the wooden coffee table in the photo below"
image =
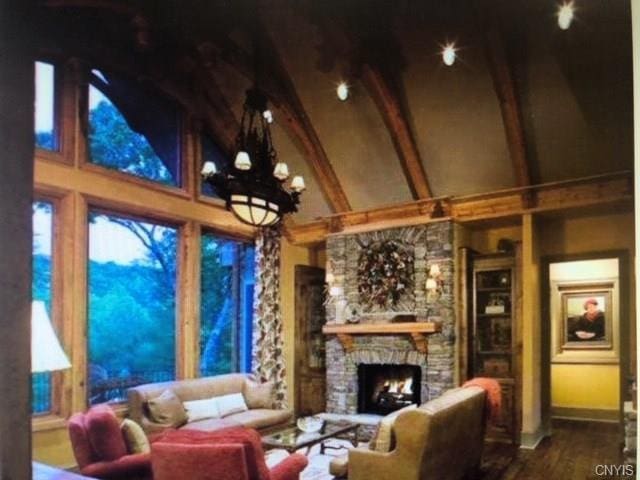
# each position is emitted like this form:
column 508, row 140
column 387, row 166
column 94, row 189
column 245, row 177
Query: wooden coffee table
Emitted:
column 291, row 438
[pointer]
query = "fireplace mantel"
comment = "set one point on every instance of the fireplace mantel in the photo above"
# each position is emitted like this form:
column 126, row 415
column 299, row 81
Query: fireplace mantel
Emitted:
column 418, row 332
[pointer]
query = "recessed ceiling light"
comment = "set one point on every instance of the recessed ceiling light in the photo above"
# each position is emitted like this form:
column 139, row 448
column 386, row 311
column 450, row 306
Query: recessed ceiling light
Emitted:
column 565, row 15
column 449, row 54
column 342, row 91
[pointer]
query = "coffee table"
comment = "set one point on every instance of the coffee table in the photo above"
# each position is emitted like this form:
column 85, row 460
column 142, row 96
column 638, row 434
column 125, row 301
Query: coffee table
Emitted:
column 291, row 438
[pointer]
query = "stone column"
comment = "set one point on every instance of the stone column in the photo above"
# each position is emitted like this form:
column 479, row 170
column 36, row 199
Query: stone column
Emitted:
column 16, row 188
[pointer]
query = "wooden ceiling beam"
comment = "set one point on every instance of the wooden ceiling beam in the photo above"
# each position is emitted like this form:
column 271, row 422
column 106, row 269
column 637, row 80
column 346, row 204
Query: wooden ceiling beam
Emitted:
column 505, row 90
column 395, row 119
column 609, row 189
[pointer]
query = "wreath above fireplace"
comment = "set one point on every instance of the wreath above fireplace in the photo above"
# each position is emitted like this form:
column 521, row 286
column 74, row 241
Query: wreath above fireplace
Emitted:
column 385, row 273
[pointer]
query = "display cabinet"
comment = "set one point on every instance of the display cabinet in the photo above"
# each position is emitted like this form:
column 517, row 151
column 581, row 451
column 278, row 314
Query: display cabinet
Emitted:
column 494, row 340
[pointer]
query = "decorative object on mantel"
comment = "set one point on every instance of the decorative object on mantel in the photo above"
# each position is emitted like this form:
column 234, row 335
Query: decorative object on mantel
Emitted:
column 385, row 273
column 352, row 313
column 417, row 330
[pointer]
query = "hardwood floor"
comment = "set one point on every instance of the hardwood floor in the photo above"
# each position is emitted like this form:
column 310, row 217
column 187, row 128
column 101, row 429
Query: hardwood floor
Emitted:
column 571, row 453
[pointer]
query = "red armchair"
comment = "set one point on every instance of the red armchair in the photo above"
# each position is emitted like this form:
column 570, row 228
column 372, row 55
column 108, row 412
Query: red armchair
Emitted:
column 229, row 454
column 100, row 450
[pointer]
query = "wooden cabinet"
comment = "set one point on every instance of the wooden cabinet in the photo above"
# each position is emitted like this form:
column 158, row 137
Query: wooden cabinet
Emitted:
column 310, row 371
column 495, row 334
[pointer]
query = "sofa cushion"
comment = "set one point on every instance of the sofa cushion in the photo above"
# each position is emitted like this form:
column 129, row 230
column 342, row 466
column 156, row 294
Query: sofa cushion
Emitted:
column 134, row 437
column 167, row 409
column 384, row 440
column 230, row 404
column 258, row 395
column 104, row 434
column 261, row 417
column 201, row 409
column 210, row 424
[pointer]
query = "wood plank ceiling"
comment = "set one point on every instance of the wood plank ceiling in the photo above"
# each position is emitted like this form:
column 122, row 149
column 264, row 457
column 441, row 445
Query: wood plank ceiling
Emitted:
column 524, row 104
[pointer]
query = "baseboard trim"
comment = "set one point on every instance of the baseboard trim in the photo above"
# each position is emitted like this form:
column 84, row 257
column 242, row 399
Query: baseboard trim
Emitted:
column 529, row 441
column 586, row 414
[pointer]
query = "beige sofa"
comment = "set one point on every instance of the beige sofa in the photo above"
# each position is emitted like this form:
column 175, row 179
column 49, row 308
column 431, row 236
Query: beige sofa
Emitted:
column 198, row 389
column 440, row 440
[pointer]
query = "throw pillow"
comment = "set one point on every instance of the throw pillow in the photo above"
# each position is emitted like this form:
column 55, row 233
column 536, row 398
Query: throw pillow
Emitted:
column 134, row 437
column 258, row 395
column 167, row 409
column 229, row 404
column 201, row 409
column 384, row 440
column 104, row 434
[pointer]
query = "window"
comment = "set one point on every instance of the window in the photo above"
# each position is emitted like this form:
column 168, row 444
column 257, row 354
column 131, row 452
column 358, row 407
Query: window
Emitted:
column 41, row 290
column 132, row 299
column 211, row 153
column 226, row 310
column 45, row 106
column 133, row 131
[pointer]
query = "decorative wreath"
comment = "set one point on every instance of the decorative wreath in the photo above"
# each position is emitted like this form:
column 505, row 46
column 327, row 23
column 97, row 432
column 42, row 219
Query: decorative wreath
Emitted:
column 385, row 273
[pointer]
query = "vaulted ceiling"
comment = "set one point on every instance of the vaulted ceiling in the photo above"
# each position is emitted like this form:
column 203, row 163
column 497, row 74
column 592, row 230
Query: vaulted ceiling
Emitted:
column 525, row 102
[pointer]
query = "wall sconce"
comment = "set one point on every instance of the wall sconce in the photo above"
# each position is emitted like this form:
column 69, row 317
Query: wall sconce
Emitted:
column 434, row 284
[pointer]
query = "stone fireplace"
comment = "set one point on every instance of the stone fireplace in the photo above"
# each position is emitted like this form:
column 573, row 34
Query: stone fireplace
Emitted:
column 383, row 389
column 433, row 370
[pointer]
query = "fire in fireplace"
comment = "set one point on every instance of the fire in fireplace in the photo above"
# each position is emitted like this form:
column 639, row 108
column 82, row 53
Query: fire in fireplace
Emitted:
column 385, row 388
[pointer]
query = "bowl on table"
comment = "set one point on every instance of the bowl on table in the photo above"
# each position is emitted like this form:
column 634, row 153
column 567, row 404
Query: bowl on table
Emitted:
column 310, row 424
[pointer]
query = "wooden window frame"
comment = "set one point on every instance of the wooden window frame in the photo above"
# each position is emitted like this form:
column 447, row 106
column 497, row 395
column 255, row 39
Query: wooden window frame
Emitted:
column 183, row 190
column 237, row 294
column 104, row 208
column 61, row 380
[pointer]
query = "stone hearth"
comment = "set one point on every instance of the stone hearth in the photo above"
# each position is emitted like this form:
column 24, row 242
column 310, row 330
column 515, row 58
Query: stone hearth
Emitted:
column 432, row 243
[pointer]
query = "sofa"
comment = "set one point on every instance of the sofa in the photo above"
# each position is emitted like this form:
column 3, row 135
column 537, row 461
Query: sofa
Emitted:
column 440, row 440
column 199, row 389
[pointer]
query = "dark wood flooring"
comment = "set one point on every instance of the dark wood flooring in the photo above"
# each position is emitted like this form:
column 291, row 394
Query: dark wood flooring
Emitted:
column 572, row 452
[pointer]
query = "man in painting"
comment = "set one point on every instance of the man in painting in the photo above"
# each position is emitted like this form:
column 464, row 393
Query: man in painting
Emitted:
column 590, row 325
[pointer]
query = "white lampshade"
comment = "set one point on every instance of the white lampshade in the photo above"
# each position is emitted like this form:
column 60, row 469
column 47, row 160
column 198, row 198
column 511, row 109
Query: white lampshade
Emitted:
column 46, row 353
column 297, row 184
column 431, row 284
column 242, row 162
column 208, row 169
column 281, row 171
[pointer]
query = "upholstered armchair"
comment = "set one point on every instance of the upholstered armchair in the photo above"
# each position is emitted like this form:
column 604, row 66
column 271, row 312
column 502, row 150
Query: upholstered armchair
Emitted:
column 100, row 449
column 229, row 454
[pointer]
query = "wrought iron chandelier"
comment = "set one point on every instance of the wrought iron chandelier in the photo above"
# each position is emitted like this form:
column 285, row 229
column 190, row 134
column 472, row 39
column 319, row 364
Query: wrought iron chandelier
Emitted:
column 254, row 186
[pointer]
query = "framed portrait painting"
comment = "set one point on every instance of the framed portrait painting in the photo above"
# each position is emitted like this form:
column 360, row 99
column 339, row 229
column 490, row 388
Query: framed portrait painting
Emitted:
column 585, row 321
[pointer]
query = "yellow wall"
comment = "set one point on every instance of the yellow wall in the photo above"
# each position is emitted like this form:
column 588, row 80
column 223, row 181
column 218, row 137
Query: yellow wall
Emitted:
column 573, row 386
column 590, row 386
column 290, row 257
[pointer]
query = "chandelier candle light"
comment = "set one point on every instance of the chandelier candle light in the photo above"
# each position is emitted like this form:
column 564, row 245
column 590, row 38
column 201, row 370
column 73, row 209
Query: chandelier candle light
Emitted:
column 253, row 188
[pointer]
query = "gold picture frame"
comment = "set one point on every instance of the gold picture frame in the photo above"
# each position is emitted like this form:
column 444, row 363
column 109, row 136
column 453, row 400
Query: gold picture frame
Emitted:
column 585, row 321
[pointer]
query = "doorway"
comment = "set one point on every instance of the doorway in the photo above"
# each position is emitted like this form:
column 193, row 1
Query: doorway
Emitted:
column 585, row 336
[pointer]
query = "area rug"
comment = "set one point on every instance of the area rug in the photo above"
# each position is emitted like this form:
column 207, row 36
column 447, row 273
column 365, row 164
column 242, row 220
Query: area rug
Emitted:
column 318, row 468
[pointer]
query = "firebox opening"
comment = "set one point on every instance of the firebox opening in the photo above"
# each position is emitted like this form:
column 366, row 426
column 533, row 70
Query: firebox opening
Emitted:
column 383, row 389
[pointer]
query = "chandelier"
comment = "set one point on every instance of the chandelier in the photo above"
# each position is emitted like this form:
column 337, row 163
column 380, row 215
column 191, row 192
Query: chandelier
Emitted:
column 254, row 186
